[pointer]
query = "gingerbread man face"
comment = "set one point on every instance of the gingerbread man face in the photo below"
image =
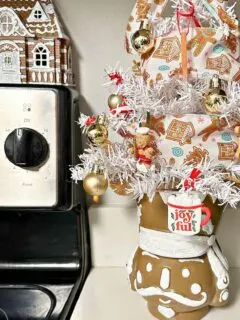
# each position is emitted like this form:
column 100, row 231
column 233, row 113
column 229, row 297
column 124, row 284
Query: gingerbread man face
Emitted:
column 143, row 140
column 149, row 153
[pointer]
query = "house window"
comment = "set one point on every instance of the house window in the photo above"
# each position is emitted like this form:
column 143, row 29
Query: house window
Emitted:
column 8, row 62
column 41, row 57
column 6, row 24
column 38, row 14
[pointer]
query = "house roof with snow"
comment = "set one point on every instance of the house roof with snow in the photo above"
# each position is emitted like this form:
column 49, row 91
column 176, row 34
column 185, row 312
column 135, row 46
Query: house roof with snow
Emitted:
column 29, row 18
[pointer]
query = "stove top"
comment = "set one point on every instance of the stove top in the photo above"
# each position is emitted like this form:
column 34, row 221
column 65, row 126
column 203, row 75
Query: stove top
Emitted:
column 44, row 261
column 33, row 302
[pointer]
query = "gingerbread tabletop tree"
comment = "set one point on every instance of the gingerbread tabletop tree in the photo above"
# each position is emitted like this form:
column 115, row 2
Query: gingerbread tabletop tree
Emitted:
column 178, row 113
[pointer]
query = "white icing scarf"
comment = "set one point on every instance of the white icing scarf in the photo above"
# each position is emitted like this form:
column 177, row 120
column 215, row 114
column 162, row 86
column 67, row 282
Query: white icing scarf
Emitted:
column 171, row 245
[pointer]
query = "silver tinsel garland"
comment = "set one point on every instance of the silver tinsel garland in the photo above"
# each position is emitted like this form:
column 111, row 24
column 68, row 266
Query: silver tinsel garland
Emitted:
column 171, row 96
column 120, row 166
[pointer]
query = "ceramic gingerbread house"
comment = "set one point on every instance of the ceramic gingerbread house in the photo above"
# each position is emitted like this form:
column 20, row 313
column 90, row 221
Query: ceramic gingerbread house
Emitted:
column 33, row 46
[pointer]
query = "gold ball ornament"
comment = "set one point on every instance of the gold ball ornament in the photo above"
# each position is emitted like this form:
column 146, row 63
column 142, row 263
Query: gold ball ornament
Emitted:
column 97, row 133
column 95, row 184
column 142, row 41
column 216, row 97
column 115, row 101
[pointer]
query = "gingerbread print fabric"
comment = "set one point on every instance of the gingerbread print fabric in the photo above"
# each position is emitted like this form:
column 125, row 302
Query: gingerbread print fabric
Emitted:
column 210, row 51
column 192, row 138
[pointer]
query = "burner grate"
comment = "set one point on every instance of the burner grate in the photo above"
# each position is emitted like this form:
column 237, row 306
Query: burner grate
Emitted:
column 3, row 315
column 32, row 302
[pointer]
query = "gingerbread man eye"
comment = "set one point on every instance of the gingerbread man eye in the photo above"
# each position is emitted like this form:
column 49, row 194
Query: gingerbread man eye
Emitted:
column 186, row 273
column 149, row 267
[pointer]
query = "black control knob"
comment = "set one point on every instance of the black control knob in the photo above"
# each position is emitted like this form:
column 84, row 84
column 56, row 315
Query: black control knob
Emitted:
column 26, row 148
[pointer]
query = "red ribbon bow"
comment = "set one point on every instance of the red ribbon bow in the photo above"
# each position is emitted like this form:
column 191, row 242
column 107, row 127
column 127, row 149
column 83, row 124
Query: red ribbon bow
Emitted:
column 190, row 182
column 116, row 77
column 91, row 120
column 190, row 15
column 121, row 110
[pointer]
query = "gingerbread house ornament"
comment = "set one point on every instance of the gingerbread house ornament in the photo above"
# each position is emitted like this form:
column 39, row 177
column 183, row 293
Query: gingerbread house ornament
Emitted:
column 33, row 46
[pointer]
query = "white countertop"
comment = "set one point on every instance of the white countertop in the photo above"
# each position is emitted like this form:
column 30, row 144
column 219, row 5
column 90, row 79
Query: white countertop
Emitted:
column 107, row 296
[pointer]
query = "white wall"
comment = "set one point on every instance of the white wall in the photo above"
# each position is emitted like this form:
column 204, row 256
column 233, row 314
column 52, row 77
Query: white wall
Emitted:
column 97, row 29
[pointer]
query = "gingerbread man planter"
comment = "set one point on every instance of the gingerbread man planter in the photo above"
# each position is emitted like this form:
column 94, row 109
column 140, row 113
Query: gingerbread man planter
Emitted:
column 180, row 277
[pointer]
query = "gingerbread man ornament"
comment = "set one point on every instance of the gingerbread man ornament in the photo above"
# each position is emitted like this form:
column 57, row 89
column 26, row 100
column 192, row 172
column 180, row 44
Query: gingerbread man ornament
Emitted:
column 144, row 148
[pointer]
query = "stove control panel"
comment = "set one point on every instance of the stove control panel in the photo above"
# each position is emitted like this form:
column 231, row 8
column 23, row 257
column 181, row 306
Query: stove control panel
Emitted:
column 28, row 147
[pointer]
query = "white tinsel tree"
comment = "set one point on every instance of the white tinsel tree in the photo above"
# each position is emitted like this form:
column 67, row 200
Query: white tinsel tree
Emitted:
column 173, row 96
